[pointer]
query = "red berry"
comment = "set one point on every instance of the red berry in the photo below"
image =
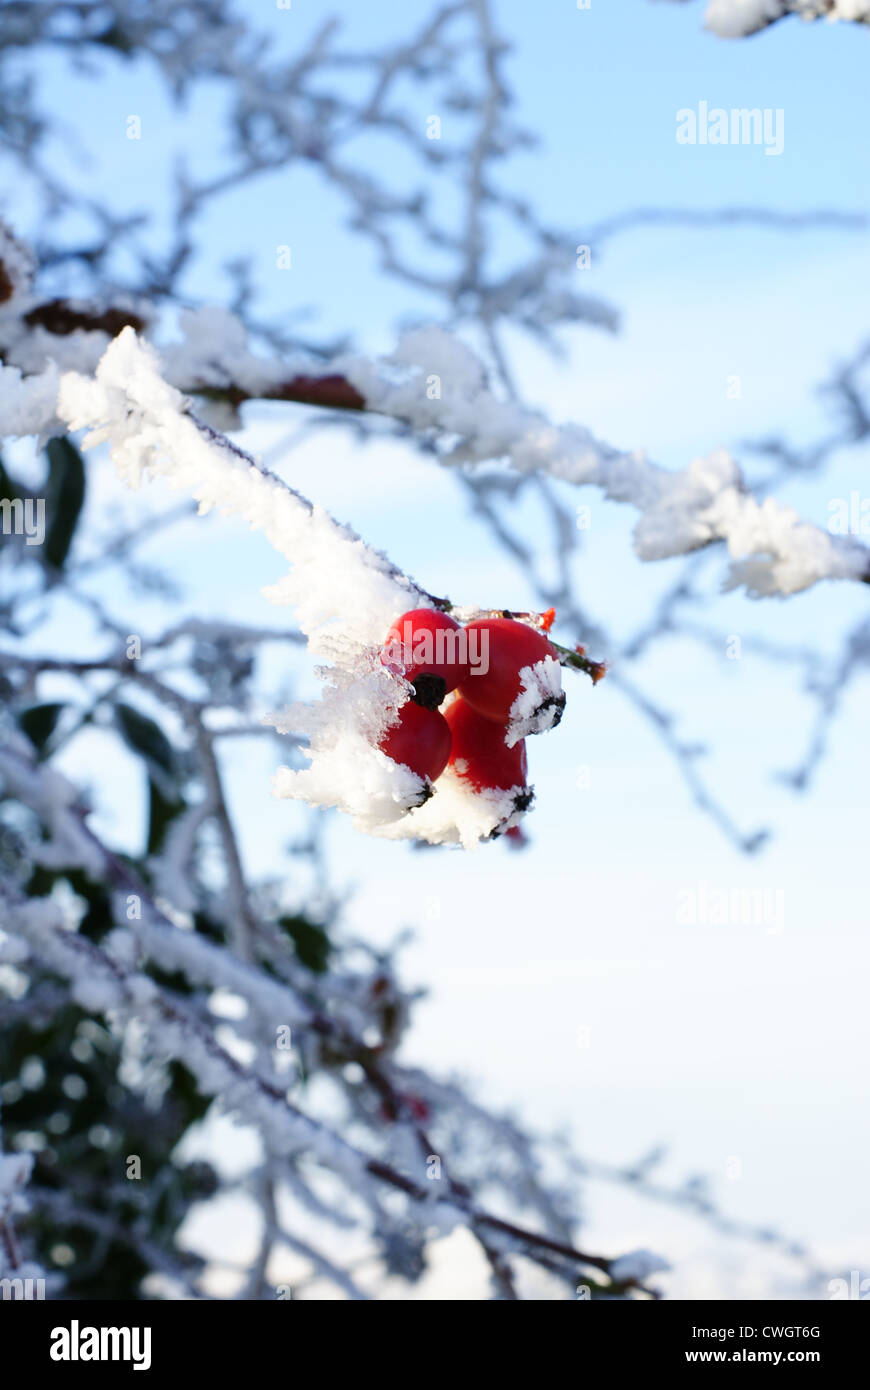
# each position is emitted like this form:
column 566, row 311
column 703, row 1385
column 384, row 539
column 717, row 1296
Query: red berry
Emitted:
column 505, row 648
column 479, row 754
column 516, row 837
column 418, row 1108
column 430, row 649
column 420, row 740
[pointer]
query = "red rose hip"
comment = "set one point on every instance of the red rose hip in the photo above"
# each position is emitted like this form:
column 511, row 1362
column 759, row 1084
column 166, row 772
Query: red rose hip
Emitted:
column 495, row 686
column 429, row 648
column 480, row 756
column 420, row 740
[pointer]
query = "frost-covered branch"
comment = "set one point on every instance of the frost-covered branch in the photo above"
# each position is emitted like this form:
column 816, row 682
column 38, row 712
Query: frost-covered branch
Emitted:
column 434, row 385
column 105, row 981
column 772, row 551
column 14, row 1174
column 737, row 19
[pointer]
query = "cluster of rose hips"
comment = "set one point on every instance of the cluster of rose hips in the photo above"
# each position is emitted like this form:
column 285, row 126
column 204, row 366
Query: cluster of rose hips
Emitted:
column 470, row 733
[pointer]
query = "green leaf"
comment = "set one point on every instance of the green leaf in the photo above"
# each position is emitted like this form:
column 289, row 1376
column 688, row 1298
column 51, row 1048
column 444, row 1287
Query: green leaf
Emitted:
column 39, row 723
column 162, row 811
column 310, row 942
column 147, row 739
column 97, row 920
column 65, row 490
column 114, row 37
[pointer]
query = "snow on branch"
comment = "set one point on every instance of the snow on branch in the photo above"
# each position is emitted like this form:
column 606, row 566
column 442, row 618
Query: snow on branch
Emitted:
column 15, row 1171
column 54, row 799
column 772, row 551
column 737, row 19
column 69, row 842
column 732, row 19
column 434, row 385
column 105, row 983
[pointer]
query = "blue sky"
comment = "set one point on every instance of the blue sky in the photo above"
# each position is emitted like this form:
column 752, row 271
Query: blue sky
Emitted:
column 720, row 1041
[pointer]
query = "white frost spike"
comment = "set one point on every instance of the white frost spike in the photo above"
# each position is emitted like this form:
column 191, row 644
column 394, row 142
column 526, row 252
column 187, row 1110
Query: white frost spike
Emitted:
column 539, row 705
column 347, row 769
column 735, row 19
column 456, row 814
